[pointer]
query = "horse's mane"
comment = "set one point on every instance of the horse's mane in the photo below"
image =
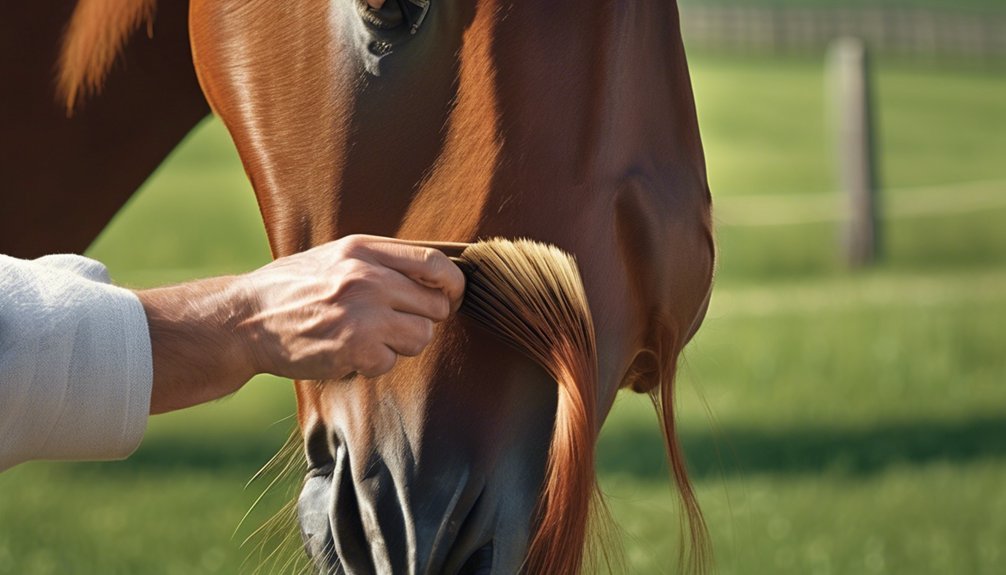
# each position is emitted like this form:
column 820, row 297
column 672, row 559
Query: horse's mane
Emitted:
column 95, row 36
column 532, row 297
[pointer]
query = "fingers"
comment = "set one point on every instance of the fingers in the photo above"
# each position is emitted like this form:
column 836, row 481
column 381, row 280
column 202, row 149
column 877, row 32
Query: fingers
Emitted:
column 378, row 362
column 386, row 298
column 427, row 266
column 401, row 334
column 408, row 334
column 371, row 298
column 406, row 296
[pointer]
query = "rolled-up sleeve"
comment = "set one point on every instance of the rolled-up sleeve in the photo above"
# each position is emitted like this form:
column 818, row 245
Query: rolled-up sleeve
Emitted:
column 75, row 362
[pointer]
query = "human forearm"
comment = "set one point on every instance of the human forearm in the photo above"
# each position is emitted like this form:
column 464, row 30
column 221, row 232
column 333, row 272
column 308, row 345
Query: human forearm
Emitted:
column 199, row 350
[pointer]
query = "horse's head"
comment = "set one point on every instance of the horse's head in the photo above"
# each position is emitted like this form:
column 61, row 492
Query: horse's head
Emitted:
column 566, row 122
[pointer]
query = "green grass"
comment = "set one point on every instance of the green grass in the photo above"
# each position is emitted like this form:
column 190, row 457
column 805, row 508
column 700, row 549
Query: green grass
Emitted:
column 196, row 217
column 835, row 423
column 172, row 508
column 765, row 132
column 927, row 520
column 765, row 127
column 856, row 427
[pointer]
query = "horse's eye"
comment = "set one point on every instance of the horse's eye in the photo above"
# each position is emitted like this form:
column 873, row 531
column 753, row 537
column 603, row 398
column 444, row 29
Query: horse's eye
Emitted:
column 391, row 15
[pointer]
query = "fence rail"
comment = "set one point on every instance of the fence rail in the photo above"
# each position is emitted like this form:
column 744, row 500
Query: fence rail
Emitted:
column 802, row 208
column 909, row 32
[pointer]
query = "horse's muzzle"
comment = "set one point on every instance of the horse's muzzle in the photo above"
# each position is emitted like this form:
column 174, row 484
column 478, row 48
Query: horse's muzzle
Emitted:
column 374, row 522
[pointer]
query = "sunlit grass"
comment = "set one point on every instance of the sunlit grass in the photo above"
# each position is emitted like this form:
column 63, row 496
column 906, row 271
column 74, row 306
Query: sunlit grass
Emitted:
column 765, row 126
column 914, row 519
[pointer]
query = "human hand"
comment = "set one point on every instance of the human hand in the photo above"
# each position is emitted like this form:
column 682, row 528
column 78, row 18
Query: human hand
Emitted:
column 353, row 305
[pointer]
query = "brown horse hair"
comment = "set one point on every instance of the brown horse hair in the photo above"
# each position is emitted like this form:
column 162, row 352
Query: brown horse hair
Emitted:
column 97, row 32
column 695, row 555
column 531, row 296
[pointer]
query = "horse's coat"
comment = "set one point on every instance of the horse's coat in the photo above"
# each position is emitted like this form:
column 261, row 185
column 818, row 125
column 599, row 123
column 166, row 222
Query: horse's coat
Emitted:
column 565, row 122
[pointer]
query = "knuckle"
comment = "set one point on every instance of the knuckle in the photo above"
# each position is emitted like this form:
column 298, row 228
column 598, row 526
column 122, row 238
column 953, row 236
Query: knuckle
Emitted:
column 432, row 258
column 412, row 349
column 458, row 277
column 429, row 255
column 388, row 361
column 437, row 260
column 378, row 361
column 352, row 245
column 442, row 308
column 425, row 334
column 351, row 240
column 423, row 337
column 357, row 277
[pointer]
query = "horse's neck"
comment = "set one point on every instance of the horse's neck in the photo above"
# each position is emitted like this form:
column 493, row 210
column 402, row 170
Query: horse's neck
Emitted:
column 557, row 104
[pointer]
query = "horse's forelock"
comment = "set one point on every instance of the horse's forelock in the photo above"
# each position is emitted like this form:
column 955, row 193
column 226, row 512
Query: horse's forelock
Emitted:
column 96, row 34
column 531, row 296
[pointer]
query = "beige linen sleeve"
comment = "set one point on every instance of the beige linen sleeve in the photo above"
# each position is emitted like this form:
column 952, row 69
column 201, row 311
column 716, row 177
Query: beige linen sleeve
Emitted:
column 75, row 362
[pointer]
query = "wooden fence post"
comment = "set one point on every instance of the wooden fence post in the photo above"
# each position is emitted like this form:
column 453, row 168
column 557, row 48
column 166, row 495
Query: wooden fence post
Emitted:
column 849, row 72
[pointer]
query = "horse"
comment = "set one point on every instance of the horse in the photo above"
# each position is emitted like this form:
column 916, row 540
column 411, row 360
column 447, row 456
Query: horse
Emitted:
column 569, row 123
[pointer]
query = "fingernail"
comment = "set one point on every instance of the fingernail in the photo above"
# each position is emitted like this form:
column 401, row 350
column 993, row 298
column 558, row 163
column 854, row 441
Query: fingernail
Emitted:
column 375, row 4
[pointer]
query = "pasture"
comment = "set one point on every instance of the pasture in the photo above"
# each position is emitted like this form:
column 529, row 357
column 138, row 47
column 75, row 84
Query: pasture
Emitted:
column 835, row 423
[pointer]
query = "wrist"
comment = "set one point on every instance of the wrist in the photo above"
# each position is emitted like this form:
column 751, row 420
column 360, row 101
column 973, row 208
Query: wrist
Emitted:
column 243, row 324
column 198, row 352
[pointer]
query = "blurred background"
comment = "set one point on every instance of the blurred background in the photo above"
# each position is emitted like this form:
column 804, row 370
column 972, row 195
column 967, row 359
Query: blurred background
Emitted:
column 839, row 419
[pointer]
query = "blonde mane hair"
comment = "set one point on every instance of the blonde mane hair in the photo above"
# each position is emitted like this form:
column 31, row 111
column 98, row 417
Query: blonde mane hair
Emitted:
column 532, row 297
column 96, row 34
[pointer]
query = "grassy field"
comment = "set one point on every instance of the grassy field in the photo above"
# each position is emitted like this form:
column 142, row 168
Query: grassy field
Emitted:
column 835, row 423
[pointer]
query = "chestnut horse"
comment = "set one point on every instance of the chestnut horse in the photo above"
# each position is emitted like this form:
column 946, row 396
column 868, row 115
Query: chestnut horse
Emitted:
column 568, row 122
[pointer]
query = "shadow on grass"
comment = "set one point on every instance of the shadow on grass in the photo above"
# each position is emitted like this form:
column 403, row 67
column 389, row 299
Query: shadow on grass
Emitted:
column 737, row 451
column 226, row 454
column 638, row 450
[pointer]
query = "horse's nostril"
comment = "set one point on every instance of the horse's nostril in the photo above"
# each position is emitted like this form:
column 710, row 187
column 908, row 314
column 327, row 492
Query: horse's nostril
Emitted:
column 480, row 563
column 312, row 511
column 351, row 541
